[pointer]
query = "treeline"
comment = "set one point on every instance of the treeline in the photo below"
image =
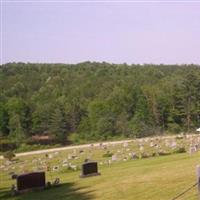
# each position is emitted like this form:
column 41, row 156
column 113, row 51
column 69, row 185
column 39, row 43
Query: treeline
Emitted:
column 97, row 101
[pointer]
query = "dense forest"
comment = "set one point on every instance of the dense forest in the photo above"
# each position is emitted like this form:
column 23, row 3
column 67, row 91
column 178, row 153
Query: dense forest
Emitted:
column 97, row 101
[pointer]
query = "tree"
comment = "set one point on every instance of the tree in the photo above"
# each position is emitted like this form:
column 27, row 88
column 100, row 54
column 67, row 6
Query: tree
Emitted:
column 97, row 100
column 101, row 119
column 59, row 125
column 16, row 131
column 18, row 119
column 142, row 122
column 4, row 120
column 41, row 118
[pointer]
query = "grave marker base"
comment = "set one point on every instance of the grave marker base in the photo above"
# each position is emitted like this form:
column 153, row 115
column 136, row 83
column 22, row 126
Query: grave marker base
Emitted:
column 89, row 175
column 30, row 190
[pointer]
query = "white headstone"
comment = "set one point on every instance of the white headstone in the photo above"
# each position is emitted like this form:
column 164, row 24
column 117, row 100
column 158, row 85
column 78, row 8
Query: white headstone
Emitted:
column 114, row 157
column 65, row 165
column 141, row 148
column 192, row 150
column 151, row 144
column 173, row 145
column 69, row 157
column 125, row 144
column 50, row 156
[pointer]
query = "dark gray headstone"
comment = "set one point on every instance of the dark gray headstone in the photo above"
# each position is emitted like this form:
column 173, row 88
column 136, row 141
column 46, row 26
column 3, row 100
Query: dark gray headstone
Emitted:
column 89, row 169
column 30, row 181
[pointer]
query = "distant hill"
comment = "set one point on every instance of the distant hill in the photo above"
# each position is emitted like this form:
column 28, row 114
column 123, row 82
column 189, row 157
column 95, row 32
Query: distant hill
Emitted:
column 97, row 101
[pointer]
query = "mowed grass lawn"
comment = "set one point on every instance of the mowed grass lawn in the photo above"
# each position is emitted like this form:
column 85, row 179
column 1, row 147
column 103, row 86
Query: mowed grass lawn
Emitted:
column 158, row 178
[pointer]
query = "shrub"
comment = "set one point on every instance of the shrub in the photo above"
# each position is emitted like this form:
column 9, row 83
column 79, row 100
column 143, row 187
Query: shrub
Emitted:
column 179, row 137
column 180, row 150
column 163, row 153
column 6, row 145
column 107, row 154
column 154, row 154
column 174, row 127
column 9, row 155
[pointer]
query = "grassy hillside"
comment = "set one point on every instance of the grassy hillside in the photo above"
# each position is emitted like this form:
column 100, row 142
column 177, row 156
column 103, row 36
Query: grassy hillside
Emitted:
column 153, row 178
column 148, row 179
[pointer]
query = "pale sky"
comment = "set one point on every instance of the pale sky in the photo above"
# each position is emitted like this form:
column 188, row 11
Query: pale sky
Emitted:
column 116, row 32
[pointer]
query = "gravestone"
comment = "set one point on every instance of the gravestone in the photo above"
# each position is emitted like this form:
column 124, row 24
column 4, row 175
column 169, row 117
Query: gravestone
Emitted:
column 173, row 145
column 89, row 169
column 141, row 148
column 125, row 144
column 192, row 150
column 133, row 156
column 114, row 157
column 30, row 181
column 151, row 144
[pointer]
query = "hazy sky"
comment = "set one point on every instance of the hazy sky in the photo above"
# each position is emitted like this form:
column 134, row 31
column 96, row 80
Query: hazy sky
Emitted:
column 117, row 32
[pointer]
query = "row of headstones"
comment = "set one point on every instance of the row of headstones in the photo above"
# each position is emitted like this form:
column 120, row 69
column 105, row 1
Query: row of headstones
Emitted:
column 37, row 179
column 124, row 157
column 192, row 149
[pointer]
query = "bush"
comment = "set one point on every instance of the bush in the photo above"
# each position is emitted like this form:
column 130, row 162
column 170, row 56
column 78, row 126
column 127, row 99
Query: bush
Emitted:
column 163, row 153
column 107, row 154
column 179, row 137
column 9, row 155
column 174, row 128
column 154, row 154
column 26, row 147
column 77, row 138
column 180, row 150
column 6, row 145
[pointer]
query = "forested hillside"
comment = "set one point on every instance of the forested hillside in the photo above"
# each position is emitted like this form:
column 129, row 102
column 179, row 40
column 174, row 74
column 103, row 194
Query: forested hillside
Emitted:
column 97, row 101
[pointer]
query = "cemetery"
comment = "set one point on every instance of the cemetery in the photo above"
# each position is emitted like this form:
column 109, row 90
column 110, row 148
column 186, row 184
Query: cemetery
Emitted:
column 147, row 168
column 99, row 100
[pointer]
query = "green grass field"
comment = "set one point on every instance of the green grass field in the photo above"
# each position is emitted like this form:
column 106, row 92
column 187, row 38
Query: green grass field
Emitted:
column 154, row 178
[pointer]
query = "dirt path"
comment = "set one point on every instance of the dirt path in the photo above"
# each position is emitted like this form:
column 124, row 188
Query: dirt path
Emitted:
column 67, row 148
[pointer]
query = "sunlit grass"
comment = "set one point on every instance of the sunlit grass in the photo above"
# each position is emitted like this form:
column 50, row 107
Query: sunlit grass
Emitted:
column 154, row 178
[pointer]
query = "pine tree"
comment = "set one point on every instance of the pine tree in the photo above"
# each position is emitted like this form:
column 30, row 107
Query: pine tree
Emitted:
column 59, row 125
column 142, row 122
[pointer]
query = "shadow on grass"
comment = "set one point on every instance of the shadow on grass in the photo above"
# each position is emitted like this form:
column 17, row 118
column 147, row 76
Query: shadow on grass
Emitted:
column 66, row 191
